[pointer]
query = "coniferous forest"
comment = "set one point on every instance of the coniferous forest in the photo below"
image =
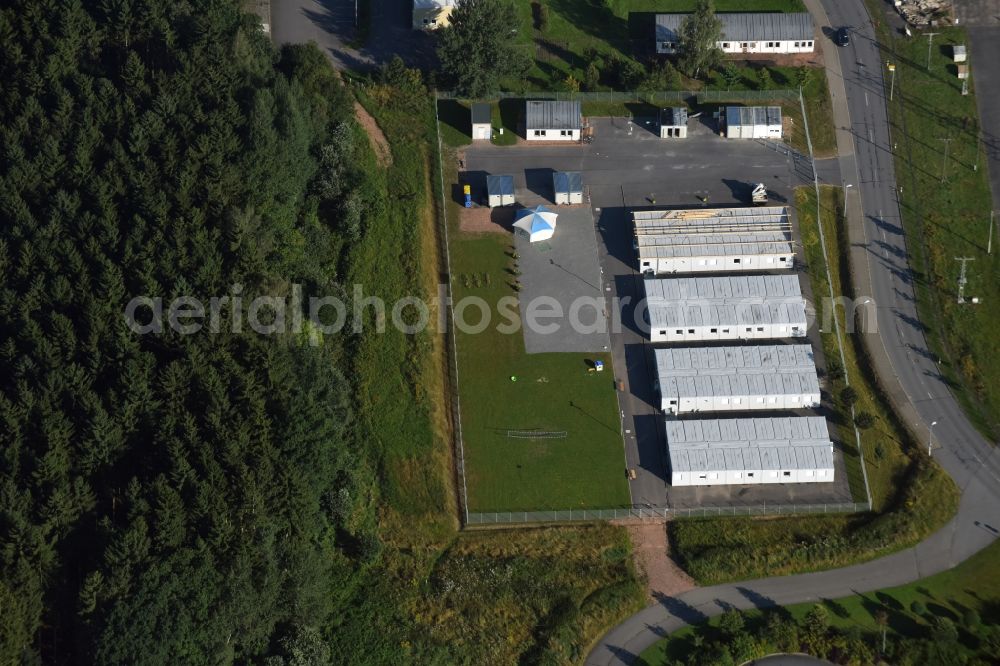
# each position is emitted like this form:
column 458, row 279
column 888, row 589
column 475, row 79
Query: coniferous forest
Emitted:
column 167, row 498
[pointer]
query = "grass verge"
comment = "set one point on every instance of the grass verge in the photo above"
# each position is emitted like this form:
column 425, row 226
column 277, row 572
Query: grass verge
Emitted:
column 911, row 495
column 945, row 203
column 949, row 618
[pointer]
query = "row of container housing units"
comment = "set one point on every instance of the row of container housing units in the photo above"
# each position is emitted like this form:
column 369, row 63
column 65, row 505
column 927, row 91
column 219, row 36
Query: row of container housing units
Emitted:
column 737, row 307
column 551, row 120
column 742, row 32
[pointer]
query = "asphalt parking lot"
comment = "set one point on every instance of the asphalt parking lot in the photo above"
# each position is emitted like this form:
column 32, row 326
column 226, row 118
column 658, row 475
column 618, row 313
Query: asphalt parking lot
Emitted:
column 628, row 166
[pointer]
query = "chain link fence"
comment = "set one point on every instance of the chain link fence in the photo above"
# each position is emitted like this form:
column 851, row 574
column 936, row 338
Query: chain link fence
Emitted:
column 639, row 513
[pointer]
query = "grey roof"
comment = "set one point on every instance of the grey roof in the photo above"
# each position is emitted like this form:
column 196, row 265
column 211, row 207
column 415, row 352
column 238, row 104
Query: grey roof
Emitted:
column 542, row 114
column 481, row 114
column 746, row 27
column 709, row 372
column 753, row 115
column 733, row 301
column 676, row 116
column 568, row 181
column 713, row 232
column 499, row 185
column 434, row 4
column 765, row 444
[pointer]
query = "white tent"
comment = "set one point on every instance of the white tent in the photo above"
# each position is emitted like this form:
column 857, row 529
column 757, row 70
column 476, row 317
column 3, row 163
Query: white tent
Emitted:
column 539, row 223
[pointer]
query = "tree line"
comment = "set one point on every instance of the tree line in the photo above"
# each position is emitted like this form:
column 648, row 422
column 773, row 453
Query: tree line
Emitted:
column 170, row 499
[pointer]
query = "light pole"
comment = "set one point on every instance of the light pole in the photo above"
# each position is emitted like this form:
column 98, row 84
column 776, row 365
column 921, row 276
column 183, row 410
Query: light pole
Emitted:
column 930, row 438
column 892, row 78
column 846, row 187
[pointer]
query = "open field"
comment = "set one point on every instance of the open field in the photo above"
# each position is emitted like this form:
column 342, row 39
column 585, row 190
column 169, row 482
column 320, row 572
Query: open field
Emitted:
column 946, row 204
column 911, row 613
column 555, row 392
column 911, row 495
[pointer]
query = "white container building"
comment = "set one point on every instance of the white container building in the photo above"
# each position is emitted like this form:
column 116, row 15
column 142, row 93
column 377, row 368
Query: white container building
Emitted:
column 552, row 120
column 567, row 187
column 747, row 32
column 749, row 451
column 432, row 14
column 713, row 240
column 674, row 123
column 736, row 379
column 752, row 122
column 742, row 307
column 500, row 191
column 482, row 122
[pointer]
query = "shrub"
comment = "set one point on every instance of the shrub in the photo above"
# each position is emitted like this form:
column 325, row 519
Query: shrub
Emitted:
column 864, row 420
column 592, row 77
column 849, row 396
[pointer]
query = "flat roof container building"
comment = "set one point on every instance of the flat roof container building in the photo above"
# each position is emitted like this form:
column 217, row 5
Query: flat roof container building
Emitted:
column 752, row 122
column 552, row 121
column 500, row 191
column 674, row 123
column 746, row 32
column 749, row 451
column 482, row 122
column 742, row 307
column 736, row 379
column 713, row 240
column 432, row 14
column 568, row 187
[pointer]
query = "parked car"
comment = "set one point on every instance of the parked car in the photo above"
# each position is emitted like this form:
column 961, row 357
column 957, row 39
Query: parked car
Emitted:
column 843, row 37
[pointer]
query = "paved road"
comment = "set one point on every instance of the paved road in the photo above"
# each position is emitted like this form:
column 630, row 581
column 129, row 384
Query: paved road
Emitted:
column 906, row 370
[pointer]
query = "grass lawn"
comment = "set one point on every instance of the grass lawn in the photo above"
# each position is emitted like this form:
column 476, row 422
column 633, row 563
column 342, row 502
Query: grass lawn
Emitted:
column 911, row 495
column 949, row 219
column 553, row 392
column 973, row 584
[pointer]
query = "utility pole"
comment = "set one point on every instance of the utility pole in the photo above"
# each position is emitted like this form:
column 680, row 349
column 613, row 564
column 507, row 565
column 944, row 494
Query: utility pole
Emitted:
column 962, row 279
column 892, row 79
column 930, row 41
column 944, row 165
column 989, row 243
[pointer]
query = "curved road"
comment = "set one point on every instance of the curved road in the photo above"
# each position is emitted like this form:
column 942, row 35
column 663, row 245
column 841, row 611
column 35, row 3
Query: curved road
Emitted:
column 907, row 371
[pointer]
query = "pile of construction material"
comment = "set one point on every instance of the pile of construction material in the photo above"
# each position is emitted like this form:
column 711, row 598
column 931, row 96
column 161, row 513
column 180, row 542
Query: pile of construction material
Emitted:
column 922, row 13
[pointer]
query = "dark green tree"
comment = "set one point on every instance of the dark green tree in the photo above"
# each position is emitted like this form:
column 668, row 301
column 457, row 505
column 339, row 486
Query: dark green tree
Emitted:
column 698, row 49
column 477, row 50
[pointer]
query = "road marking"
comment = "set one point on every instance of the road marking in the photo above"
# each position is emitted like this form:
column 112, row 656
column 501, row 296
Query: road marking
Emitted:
column 866, row 98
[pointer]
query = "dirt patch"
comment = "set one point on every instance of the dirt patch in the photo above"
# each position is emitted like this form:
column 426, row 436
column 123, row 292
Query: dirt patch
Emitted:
column 814, row 59
column 381, row 145
column 652, row 559
column 482, row 219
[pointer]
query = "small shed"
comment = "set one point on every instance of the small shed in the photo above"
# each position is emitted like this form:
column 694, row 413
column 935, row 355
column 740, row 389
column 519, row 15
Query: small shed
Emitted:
column 552, row 120
column 568, row 187
column 500, row 191
column 674, row 123
column 958, row 53
column 482, row 122
column 963, row 71
column 752, row 122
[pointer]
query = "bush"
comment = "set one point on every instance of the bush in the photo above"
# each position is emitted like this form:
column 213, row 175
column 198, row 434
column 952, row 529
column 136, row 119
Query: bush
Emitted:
column 918, row 608
column 864, row 420
column 592, row 77
column 626, row 73
column 971, row 619
column 849, row 396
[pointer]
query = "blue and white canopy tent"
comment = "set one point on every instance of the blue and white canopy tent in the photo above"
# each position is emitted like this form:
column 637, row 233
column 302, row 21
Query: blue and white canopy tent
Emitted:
column 538, row 222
